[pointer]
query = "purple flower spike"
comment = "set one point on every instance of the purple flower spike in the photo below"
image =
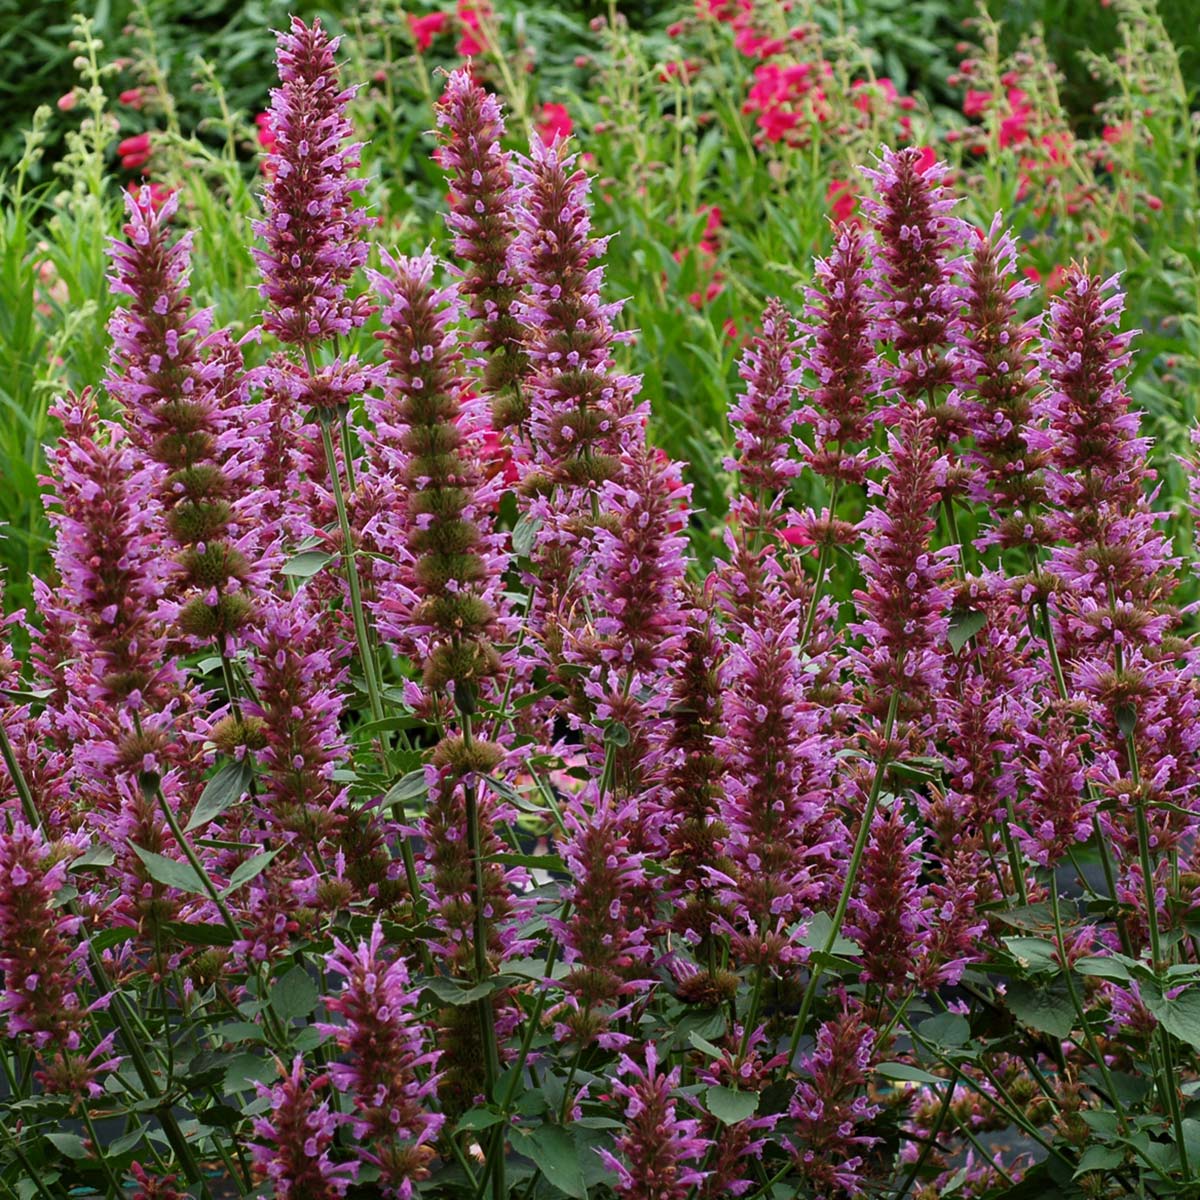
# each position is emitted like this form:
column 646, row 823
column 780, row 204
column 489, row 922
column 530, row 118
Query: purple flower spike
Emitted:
column 312, row 228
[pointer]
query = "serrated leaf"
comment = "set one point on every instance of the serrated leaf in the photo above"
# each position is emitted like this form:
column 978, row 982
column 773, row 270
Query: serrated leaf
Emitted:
column 411, row 787
column 1099, row 1158
column 98, row 855
column 306, row 564
column 729, row 1105
column 294, row 995
column 450, row 992
column 1045, row 1007
column 964, row 625
column 168, row 872
column 220, row 793
column 478, row 1118
column 552, row 1149
column 1036, row 955
column 907, row 1073
column 946, row 1030
column 817, row 935
column 1179, row 1017
column 244, row 1070
column 70, row 1145
column 523, row 534
column 250, row 869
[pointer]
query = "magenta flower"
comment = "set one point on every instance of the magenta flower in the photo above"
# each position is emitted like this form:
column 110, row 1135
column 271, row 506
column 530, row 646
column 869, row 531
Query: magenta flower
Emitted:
column 482, row 203
column 311, row 226
column 916, row 304
column 661, row 1152
column 296, row 1139
column 831, row 1105
column 903, row 606
column 383, row 1054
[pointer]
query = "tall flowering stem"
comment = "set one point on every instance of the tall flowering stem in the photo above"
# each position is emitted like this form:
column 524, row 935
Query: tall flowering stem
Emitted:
column 314, row 245
column 482, row 202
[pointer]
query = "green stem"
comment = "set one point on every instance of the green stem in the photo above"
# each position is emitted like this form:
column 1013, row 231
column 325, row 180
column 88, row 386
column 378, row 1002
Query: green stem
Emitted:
column 823, row 558
column 133, row 1045
column 915, row 1169
column 860, row 846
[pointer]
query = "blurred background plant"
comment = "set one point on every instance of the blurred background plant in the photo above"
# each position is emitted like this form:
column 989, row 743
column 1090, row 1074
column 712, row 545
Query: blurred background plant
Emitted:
column 723, row 134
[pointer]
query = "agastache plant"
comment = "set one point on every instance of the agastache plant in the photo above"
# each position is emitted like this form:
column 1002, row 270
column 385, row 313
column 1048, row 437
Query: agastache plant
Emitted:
column 386, row 817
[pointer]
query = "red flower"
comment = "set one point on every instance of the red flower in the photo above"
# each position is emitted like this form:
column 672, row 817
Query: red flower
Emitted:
column 554, row 122
column 796, row 535
column 134, row 151
column 132, row 98
column 67, row 101
column 928, row 157
column 425, row 29
column 868, row 91
column 842, row 199
column 975, row 104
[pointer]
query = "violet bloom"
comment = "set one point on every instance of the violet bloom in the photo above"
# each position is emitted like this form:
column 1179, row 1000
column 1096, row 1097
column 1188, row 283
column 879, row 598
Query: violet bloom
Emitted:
column 762, row 419
column 311, row 225
column 296, row 1138
column 608, row 937
column 916, row 303
column 482, row 201
column 584, row 413
column 831, row 1105
column 112, row 572
column 776, row 774
column 840, row 351
column 995, row 363
column 1057, row 811
column 446, row 604
column 292, row 722
column 661, row 1152
column 383, row 1054
column 903, row 605
column 184, row 390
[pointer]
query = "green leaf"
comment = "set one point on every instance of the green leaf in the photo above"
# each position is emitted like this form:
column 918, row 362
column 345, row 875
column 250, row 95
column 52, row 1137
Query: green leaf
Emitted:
column 243, row 1070
column 294, row 995
column 94, row 856
column 169, row 873
column 410, row 787
column 200, row 933
column 1179, row 1017
column 523, row 534
column 965, row 623
column 616, row 734
column 1103, row 968
column 704, row 1045
column 250, row 869
column 306, row 564
column 1046, row 1008
column 222, row 791
column 817, row 935
column 946, row 1030
column 70, row 1145
column 1036, row 955
column 1126, row 716
column 1099, row 1158
column 450, row 992
column 479, row 1118
column 730, row 1106
column 552, row 1149
column 907, row 1073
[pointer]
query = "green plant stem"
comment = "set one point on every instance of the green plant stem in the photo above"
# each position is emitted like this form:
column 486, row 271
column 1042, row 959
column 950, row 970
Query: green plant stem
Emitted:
column 823, row 557
column 943, row 1113
column 860, row 846
column 133, row 1045
column 1076, row 1003
column 487, row 1016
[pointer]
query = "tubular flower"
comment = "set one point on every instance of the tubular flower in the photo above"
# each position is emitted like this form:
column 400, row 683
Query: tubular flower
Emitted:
column 607, row 938
column 840, row 352
column 661, row 1152
column 583, row 413
column 383, row 1049
column 296, row 1138
column 446, row 606
column 916, row 302
column 905, row 601
column 292, row 723
column 993, row 350
column 773, row 784
column 102, row 507
column 184, row 392
column 830, row 1106
column 41, row 953
column 481, row 219
column 311, row 227
column 692, row 771
column 763, row 416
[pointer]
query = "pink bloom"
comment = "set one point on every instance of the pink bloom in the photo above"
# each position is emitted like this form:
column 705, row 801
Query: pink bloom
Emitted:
column 132, row 98
column 134, row 151
column 554, row 122
column 425, row 29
